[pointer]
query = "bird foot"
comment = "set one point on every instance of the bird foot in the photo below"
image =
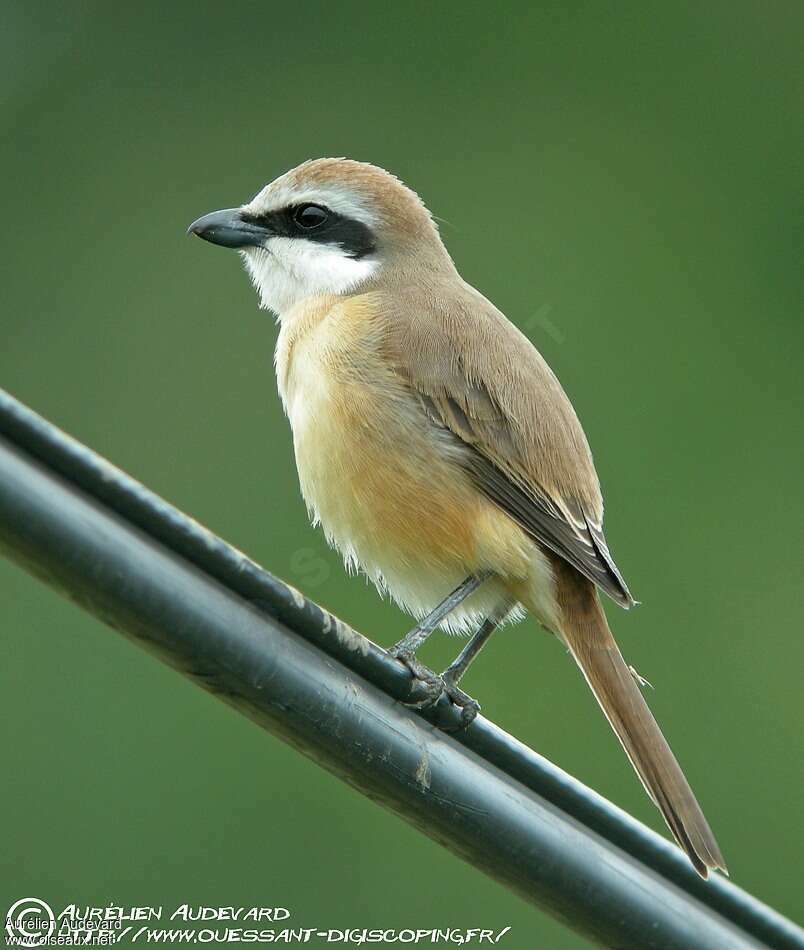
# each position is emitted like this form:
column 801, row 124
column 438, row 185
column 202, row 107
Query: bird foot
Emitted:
column 469, row 707
column 436, row 686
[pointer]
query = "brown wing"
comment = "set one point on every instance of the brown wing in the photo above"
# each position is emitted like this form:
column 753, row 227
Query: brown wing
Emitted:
column 481, row 379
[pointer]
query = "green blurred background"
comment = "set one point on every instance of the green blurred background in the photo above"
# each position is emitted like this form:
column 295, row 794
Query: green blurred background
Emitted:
column 623, row 180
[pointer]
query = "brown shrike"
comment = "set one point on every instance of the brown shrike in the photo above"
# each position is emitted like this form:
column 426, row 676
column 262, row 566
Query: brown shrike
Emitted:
column 435, row 446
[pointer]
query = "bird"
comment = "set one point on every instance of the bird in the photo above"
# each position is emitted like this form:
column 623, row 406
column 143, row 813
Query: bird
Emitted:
column 436, row 448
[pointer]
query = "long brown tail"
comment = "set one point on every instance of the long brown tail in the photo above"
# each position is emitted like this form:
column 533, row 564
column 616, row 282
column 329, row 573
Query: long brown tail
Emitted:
column 586, row 633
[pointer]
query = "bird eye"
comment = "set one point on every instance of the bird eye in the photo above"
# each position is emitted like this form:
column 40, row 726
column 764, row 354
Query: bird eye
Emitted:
column 310, row 216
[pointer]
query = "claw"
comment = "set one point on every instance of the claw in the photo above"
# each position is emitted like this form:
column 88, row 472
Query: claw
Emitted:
column 437, row 686
column 469, row 707
column 430, row 681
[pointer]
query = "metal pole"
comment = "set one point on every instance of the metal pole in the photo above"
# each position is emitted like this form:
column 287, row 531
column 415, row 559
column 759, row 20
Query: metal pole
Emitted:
column 163, row 580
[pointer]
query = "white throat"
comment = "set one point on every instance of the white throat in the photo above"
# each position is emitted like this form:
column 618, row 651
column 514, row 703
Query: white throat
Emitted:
column 289, row 270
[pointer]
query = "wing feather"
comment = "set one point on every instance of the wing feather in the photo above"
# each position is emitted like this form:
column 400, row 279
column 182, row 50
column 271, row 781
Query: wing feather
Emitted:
column 481, row 379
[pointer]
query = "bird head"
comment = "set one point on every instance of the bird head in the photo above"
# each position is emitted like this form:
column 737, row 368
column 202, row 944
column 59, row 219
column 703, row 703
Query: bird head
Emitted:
column 330, row 226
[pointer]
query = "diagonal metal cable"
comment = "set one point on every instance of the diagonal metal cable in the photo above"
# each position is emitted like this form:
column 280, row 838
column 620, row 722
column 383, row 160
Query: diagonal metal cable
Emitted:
column 85, row 527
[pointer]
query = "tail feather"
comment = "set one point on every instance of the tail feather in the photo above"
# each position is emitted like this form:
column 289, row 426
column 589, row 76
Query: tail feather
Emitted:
column 587, row 635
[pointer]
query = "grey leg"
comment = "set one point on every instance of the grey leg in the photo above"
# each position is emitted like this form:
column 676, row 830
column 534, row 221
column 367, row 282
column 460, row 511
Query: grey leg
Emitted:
column 447, row 683
column 411, row 642
column 452, row 674
column 460, row 664
column 406, row 648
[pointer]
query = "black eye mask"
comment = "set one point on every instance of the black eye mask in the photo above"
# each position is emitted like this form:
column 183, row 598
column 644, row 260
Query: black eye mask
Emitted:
column 318, row 224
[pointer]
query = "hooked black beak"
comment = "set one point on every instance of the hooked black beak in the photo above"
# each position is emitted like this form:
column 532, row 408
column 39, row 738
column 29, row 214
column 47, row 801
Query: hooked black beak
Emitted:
column 229, row 229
